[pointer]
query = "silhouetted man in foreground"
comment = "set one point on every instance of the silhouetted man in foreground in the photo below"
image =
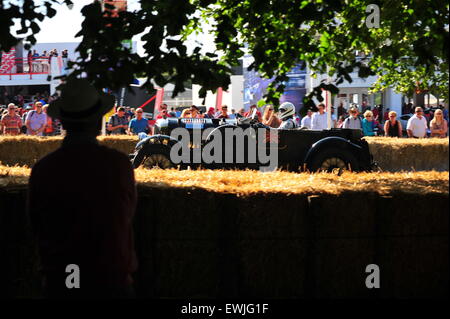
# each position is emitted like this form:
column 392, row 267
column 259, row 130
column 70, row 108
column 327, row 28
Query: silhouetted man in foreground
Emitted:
column 82, row 198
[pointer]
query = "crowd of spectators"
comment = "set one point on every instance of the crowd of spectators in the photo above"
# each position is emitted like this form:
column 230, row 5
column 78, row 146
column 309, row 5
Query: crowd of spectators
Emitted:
column 40, row 62
column 126, row 120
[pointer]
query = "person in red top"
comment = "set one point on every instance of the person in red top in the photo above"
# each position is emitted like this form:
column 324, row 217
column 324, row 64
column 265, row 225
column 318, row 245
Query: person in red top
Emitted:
column 81, row 202
column 11, row 123
column 250, row 112
column 163, row 114
column 48, row 131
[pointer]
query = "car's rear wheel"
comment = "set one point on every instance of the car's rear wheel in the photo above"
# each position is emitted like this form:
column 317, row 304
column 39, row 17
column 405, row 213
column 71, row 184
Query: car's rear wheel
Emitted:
column 333, row 161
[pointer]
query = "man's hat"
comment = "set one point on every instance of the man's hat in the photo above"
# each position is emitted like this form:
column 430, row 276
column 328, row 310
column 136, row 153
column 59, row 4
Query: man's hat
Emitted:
column 80, row 102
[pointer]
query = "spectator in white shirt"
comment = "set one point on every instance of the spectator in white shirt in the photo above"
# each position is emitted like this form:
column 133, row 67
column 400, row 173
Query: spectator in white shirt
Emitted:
column 417, row 125
column 319, row 119
column 353, row 121
column 306, row 121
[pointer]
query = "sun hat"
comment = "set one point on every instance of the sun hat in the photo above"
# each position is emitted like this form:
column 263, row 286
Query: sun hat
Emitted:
column 80, row 102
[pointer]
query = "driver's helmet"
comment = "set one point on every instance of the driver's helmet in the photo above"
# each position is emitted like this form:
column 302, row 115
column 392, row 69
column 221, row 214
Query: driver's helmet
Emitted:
column 286, row 109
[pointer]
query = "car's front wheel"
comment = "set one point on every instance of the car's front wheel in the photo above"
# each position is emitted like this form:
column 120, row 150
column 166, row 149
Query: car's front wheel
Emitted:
column 154, row 156
column 333, row 160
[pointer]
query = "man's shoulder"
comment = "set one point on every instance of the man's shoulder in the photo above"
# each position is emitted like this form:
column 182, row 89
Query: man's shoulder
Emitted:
column 57, row 157
column 113, row 153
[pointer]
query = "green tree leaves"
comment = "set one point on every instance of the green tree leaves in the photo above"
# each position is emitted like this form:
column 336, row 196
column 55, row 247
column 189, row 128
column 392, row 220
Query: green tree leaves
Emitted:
column 410, row 46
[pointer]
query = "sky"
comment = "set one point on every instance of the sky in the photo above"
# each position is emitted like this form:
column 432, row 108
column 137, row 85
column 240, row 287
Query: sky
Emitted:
column 67, row 22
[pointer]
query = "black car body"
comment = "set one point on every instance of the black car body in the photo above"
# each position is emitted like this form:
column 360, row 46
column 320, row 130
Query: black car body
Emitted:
column 297, row 149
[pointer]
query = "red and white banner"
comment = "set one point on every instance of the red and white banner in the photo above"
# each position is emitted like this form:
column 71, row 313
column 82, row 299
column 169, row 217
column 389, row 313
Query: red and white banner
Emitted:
column 159, row 99
column 8, row 61
column 219, row 96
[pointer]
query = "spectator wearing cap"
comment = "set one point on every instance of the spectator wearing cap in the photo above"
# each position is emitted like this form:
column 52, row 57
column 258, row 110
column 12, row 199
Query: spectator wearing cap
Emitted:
column 118, row 123
column 306, row 121
column 139, row 124
column 210, row 113
column 353, row 121
column 36, row 120
column 11, row 123
column 417, row 125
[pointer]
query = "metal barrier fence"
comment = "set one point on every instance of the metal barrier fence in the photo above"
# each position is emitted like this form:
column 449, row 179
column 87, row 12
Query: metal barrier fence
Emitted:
column 29, row 66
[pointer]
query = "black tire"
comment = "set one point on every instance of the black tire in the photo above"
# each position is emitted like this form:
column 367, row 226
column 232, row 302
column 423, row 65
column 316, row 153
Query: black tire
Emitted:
column 333, row 160
column 151, row 156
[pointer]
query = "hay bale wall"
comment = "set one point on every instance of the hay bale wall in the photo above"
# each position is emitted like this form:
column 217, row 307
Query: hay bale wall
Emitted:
column 212, row 244
column 27, row 150
column 392, row 154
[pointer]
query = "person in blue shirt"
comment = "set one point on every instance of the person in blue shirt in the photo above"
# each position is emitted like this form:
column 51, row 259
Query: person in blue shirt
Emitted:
column 368, row 125
column 139, row 124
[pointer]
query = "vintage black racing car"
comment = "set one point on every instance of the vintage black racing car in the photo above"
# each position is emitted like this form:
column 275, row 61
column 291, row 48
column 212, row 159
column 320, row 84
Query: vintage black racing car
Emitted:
column 246, row 143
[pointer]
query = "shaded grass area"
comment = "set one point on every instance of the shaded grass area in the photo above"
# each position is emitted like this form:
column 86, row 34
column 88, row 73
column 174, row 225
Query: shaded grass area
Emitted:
column 392, row 154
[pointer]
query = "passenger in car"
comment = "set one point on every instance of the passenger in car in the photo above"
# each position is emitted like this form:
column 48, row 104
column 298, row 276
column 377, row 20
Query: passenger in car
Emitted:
column 270, row 118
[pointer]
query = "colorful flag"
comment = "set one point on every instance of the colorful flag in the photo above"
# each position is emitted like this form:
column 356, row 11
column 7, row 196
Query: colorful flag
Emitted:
column 8, row 61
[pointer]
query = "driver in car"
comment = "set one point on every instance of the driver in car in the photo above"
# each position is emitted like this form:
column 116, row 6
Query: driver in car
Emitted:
column 287, row 112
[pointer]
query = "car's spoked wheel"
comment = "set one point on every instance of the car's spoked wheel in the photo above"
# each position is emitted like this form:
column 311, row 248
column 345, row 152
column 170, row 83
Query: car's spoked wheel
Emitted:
column 158, row 161
column 334, row 165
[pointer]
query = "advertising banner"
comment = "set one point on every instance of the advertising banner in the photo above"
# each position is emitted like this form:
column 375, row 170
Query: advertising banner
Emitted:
column 255, row 87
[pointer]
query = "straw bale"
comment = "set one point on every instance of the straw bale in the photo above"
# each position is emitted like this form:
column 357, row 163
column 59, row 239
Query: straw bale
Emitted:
column 392, row 154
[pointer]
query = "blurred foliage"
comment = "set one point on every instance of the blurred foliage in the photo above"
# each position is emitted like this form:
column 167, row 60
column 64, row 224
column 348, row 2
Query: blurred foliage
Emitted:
column 408, row 49
column 326, row 34
column 27, row 12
